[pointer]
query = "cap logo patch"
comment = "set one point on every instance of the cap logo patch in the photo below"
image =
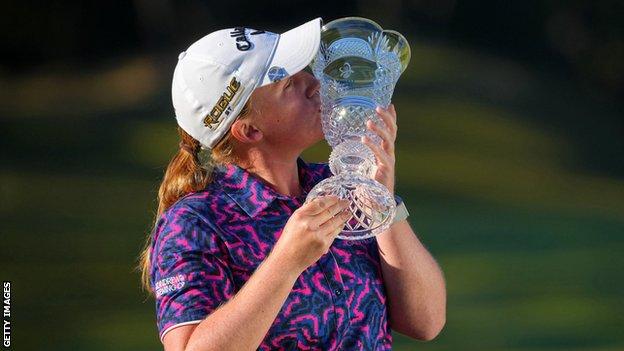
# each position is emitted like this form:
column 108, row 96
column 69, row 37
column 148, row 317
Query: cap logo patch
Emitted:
column 242, row 42
column 213, row 119
column 277, row 73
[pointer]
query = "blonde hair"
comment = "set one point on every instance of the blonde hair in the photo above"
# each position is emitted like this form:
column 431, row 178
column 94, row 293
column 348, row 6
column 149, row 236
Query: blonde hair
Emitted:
column 185, row 174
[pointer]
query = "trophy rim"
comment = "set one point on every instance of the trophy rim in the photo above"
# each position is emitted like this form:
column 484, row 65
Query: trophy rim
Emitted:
column 332, row 24
column 407, row 45
column 350, row 18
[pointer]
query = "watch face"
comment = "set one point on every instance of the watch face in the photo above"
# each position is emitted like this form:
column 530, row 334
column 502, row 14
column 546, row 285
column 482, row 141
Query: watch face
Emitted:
column 401, row 212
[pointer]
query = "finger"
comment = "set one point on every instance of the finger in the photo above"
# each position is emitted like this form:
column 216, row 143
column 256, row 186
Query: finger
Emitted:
column 392, row 113
column 382, row 156
column 388, row 116
column 336, row 232
column 387, row 140
column 328, row 213
column 319, row 204
column 336, row 223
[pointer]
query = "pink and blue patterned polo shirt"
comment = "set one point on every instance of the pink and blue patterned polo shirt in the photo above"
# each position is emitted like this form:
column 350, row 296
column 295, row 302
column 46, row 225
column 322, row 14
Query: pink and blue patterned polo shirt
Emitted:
column 208, row 244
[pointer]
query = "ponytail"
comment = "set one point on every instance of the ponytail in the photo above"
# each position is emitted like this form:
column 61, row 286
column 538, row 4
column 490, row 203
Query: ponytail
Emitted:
column 187, row 172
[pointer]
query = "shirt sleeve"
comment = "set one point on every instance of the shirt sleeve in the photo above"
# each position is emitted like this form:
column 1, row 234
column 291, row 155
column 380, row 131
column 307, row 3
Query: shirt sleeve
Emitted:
column 189, row 272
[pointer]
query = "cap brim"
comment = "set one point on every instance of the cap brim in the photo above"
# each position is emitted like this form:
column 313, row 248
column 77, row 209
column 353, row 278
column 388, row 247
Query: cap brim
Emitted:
column 296, row 48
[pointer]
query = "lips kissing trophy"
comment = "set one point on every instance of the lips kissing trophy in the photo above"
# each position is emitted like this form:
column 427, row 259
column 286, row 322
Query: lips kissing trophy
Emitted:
column 358, row 65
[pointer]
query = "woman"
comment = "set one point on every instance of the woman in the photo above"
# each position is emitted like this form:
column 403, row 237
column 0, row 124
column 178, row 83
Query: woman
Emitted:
column 237, row 260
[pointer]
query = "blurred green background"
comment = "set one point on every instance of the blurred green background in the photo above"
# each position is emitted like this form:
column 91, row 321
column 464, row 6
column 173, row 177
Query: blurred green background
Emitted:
column 510, row 159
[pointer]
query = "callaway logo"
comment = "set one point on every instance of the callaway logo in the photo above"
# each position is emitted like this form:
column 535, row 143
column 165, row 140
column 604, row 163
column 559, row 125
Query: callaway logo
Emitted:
column 223, row 105
column 242, row 43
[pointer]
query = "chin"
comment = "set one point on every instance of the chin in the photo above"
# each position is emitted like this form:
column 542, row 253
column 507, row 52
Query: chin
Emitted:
column 313, row 139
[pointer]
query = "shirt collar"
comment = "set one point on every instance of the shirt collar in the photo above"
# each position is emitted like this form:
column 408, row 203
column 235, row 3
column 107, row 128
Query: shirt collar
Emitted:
column 252, row 194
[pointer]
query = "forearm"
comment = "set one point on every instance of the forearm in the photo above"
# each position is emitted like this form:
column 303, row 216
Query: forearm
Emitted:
column 242, row 322
column 414, row 283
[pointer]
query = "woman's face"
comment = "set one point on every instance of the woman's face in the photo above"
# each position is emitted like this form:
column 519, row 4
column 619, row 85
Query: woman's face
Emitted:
column 288, row 112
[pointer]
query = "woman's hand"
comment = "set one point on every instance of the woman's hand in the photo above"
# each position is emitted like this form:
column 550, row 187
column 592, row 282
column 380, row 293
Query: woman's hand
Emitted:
column 311, row 229
column 384, row 153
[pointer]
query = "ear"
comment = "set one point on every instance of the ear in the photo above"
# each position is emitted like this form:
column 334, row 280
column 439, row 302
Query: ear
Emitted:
column 245, row 132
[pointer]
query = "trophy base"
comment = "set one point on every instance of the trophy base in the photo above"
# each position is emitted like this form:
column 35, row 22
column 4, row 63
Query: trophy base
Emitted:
column 371, row 205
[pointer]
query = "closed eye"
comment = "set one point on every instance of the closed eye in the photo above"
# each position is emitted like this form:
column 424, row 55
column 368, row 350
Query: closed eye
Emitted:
column 288, row 82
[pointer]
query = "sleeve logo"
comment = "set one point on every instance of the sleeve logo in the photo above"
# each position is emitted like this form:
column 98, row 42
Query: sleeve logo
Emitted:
column 170, row 284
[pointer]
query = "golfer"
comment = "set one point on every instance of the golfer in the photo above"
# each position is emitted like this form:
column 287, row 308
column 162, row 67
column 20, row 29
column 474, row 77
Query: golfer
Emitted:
column 237, row 260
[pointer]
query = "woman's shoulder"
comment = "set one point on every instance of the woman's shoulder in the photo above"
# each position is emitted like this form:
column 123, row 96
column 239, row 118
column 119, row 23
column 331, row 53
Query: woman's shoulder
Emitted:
column 185, row 224
column 199, row 203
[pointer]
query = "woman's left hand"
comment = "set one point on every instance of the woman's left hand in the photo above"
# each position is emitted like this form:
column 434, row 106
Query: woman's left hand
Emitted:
column 384, row 153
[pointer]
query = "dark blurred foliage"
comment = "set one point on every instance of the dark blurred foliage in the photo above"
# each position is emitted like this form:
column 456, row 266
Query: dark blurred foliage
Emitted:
column 583, row 38
column 578, row 41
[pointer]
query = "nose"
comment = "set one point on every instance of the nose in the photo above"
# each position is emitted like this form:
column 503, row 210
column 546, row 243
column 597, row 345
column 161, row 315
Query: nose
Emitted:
column 313, row 85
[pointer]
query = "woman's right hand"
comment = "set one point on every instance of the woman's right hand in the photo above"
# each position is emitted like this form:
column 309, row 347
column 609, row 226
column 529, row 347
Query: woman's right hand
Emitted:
column 311, row 230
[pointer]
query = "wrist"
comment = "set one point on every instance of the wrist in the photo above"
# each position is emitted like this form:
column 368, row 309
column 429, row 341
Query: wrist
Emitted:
column 284, row 260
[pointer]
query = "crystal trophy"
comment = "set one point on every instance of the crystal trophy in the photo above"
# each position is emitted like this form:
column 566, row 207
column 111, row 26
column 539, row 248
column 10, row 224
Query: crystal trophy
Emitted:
column 358, row 65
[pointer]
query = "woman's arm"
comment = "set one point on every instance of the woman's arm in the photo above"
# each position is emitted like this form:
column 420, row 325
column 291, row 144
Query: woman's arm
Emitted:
column 243, row 321
column 414, row 283
column 413, row 280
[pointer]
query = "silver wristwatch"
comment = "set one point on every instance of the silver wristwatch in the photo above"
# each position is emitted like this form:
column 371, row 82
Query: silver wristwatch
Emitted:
column 401, row 210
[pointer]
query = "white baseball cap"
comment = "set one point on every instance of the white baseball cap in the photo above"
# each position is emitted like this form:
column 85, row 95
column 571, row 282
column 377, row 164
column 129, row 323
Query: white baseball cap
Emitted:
column 215, row 76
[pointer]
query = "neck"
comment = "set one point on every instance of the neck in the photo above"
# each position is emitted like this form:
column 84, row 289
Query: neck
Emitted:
column 278, row 170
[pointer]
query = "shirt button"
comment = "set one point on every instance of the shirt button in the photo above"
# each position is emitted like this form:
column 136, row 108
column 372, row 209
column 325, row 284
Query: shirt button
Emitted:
column 338, row 292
